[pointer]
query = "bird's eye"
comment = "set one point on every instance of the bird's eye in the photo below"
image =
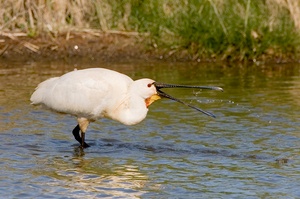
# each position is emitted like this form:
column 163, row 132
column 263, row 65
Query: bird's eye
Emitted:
column 149, row 85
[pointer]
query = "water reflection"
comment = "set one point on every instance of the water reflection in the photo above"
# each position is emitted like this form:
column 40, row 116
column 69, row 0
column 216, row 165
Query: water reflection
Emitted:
column 93, row 177
column 250, row 150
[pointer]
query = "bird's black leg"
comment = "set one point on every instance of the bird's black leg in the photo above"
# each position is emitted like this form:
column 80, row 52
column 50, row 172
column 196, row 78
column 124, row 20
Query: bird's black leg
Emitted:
column 75, row 132
column 83, row 143
column 77, row 137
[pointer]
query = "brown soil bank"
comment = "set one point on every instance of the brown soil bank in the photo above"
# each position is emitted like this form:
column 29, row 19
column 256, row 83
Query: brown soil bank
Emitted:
column 88, row 46
column 98, row 46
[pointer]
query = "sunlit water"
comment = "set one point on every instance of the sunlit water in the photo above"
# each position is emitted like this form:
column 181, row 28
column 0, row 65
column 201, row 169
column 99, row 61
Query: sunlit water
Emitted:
column 251, row 150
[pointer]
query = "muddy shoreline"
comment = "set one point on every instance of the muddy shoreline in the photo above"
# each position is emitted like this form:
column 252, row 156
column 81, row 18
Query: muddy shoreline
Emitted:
column 100, row 47
column 97, row 47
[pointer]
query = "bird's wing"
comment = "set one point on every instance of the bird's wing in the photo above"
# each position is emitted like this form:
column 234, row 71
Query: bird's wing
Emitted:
column 85, row 93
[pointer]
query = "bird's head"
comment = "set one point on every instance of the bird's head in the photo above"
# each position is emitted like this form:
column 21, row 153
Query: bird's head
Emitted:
column 151, row 91
column 145, row 88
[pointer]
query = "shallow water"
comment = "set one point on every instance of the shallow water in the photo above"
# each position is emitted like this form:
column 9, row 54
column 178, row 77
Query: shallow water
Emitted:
column 251, row 150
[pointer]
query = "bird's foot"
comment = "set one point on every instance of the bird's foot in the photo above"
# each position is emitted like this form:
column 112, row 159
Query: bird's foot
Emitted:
column 84, row 145
column 76, row 133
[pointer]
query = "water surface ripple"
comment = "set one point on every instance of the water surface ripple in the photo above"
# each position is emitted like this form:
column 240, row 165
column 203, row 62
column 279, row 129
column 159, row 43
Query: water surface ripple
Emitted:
column 251, row 150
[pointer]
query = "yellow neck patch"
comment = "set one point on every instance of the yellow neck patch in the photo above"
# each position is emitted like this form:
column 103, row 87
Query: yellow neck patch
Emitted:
column 151, row 99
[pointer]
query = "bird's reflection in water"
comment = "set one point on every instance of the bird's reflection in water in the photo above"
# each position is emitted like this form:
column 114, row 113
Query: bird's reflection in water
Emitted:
column 84, row 176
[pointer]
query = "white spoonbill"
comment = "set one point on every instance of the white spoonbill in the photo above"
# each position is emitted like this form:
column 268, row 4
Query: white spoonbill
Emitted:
column 94, row 93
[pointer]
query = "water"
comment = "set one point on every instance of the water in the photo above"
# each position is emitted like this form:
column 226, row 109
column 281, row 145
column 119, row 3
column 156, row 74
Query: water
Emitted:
column 251, row 150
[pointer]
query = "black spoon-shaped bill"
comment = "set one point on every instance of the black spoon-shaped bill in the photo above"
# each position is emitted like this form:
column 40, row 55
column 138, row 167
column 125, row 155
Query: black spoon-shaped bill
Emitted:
column 163, row 94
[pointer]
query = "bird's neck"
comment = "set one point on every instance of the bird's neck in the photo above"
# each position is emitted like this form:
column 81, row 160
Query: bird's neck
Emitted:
column 132, row 111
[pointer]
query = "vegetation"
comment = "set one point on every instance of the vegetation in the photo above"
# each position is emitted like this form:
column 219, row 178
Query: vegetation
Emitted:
column 213, row 29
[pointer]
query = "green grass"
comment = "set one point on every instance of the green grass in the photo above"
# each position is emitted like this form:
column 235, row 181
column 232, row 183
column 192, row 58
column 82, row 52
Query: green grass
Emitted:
column 232, row 29
column 197, row 29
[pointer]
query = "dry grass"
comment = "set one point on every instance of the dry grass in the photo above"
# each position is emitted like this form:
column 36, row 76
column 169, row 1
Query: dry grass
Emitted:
column 293, row 6
column 55, row 16
column 63, row 15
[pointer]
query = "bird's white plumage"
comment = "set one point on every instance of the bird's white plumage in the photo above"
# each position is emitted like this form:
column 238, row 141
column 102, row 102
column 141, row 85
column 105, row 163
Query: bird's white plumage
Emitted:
column 95, row 93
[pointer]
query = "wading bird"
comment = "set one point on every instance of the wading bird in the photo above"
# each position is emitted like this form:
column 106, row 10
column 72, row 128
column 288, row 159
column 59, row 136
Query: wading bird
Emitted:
column 94, row 93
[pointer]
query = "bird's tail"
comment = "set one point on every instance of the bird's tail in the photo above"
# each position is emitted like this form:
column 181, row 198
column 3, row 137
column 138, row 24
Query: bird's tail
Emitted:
column 41, row 91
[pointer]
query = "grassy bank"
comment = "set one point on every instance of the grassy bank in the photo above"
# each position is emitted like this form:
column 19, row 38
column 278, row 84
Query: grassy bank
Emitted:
column 194, row 29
